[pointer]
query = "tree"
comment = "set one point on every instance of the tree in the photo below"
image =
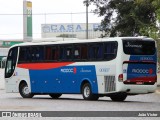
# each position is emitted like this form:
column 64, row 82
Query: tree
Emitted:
column 128, row 17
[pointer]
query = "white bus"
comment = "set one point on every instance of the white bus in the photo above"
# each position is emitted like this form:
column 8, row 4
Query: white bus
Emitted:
column 3, row 54
column 112, row 67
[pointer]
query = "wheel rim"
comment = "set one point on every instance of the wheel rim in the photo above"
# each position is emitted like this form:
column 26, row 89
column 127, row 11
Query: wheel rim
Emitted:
column 87, row 91
column 26, row 90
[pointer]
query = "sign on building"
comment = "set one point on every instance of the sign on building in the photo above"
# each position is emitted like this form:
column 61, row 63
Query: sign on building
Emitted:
column 75, row 30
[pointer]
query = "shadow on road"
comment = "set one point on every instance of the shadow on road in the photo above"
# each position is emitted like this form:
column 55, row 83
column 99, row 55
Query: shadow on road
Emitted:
column 78, row 99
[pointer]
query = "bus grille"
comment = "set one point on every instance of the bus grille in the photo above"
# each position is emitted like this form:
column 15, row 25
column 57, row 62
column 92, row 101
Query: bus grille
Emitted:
column 110, row 83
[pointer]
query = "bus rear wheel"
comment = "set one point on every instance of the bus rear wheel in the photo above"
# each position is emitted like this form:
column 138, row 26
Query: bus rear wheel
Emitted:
column 55, row 95
column 118, row 97
column 24, row 91
column 87, row 92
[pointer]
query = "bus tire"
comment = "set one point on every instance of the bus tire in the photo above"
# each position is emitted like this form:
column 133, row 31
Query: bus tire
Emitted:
column 24, row 91
column 87, row 92
column 118, row 97
column 55, row 95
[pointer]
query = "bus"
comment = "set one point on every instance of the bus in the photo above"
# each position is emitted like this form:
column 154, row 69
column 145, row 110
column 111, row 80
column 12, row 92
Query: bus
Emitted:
column 114, row 67
column 3, row 54
column 3, row 63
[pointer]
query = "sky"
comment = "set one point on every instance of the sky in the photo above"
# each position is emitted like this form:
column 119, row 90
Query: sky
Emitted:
column 11, row 18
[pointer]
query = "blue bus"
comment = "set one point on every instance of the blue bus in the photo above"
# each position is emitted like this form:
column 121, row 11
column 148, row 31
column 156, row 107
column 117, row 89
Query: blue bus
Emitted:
column 114, row 67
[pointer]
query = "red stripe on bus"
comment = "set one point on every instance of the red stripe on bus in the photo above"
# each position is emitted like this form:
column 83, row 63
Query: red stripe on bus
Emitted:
column 143, row 79
column 41, row 66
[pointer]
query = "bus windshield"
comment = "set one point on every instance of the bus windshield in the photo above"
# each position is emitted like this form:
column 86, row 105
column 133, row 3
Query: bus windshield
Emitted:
column 139, row 47
column 11, row 62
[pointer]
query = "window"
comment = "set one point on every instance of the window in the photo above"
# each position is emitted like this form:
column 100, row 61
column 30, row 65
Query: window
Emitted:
column 48, row 53
column 69, row 52
column 55, row 53
column 95, row 51
column 66, row 52
column 40, row 53
column 76, row 52
column 84, row 51
column 31, row 54
column 110, row 50
column 11, row 62
column 37, row 53
column 62, row 53
column 23, row 54
column 139, row 47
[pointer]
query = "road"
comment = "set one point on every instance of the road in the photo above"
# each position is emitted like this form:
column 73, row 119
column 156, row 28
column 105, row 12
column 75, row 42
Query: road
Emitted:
column 14, row 102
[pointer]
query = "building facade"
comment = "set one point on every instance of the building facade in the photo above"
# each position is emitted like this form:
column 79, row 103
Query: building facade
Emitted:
column 75, row 30
column 4, row 47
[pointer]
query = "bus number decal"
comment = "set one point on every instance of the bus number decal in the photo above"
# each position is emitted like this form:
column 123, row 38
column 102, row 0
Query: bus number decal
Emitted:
column 104, row 69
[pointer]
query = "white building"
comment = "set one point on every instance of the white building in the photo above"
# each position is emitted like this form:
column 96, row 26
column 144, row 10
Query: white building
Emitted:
column 75, row 30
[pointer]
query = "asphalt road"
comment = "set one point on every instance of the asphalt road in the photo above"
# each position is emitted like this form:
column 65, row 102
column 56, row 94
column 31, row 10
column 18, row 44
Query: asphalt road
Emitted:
column 14, row 102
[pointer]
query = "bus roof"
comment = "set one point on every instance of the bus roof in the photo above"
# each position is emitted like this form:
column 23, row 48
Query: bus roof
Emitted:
column 71, row 40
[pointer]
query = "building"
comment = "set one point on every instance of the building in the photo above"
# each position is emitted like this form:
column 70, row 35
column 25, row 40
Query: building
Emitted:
column 4, row 47
column 75, row 30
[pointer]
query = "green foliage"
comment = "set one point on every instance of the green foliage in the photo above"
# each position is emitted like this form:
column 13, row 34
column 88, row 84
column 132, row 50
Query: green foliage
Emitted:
column 128, row 17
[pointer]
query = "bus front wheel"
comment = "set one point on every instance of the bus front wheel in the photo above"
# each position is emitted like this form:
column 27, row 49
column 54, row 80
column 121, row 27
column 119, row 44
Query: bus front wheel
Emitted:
column 118, row 97
column 87, row 92
column 55, row 95
column 24, row 91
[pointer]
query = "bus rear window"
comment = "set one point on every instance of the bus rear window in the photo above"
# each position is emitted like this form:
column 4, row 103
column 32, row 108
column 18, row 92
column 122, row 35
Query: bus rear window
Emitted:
column 138, row 47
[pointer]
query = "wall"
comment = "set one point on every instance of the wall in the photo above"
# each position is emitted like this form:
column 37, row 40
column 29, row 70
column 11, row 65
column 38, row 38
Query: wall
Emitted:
column 2, row 86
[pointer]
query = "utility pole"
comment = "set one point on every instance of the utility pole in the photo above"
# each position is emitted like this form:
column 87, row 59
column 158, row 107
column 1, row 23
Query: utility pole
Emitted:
column 87, row 4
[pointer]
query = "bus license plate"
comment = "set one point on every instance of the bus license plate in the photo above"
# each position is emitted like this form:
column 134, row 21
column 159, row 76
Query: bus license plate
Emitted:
column 139, row 83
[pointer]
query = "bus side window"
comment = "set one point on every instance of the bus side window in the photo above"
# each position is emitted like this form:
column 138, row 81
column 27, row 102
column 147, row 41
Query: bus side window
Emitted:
column 29, row 54
column 38, row 53
column 34, row 54
column 110, row 50
column 99, row 51
column 76, row 53
column 22, row 55
column 68, row 51
column 25, row 54
column 41, row 53
column 91, row 52
column 48, row 53
column 84, row 51
column 65, row 53
column 62, row 53
column 95, row 51
column 55, row 53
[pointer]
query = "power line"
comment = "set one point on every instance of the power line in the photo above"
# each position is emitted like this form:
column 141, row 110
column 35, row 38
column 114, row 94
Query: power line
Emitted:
column 46, row 13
